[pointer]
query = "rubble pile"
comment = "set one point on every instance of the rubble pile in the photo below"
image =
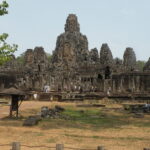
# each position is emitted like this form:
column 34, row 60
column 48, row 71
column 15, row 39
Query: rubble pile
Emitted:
column 52, row 113
column 45, row 113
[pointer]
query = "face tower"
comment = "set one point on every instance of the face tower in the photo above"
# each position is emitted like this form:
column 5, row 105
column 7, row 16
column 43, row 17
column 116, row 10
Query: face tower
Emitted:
column 71, row 46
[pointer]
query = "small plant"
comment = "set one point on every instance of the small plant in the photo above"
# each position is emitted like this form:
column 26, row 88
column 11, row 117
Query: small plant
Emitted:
column 39, row 134
column 51, row 140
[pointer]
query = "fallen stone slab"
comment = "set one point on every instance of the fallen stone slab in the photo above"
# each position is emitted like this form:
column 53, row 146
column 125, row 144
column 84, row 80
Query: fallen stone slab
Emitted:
column 31, row 121
column 90, row 105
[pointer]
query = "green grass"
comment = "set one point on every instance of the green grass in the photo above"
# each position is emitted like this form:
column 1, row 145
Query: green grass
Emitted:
column 145, row 124
column 89, row 118
column 39, row 134
column 50, row 140
column 85, row 118
column 93, row 119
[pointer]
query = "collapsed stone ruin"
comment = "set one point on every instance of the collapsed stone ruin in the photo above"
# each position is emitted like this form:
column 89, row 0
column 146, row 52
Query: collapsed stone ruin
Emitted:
column 74, row 68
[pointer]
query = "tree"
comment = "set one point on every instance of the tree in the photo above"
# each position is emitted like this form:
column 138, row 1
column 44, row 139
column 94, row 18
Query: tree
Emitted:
column 49, row 56
column 3, row 8
column 140, row 64
column 6, row 50
column 20, row 59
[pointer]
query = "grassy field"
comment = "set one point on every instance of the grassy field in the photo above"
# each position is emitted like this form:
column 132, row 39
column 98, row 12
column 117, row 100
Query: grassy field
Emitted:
column 110, row 126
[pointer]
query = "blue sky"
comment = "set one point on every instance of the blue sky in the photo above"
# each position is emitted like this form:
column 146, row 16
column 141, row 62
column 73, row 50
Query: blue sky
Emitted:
column 120, row 23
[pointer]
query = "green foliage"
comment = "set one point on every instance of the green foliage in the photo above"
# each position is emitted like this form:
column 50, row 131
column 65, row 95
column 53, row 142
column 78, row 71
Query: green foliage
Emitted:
column 3, row 8
column 20, row 59
column 6, row 50
column 49, row 56
column 140, row 64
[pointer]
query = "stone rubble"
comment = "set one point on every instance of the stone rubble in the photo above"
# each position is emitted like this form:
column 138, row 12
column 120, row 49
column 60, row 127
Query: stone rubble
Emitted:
column 52, row 113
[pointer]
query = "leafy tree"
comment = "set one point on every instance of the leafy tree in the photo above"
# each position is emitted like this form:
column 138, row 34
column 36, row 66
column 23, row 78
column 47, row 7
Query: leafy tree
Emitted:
column 140, row 64
column 6, row 50
column 3, row 8
column 20, row 59
column 49, row 56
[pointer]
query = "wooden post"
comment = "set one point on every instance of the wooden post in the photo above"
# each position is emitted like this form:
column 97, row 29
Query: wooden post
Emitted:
column 59, row 147
column 17, row 113
column 100, row 148
column 16, row 146
column 10, row 114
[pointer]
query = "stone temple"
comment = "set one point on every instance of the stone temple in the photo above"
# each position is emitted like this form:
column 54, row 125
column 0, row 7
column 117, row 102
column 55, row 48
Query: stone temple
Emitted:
column 73, row 68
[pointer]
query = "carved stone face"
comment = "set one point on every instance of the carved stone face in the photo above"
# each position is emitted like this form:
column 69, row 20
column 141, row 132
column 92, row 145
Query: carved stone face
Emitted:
column 106, row 55
column 29, row 57
column 67, row 52
column 72, row 23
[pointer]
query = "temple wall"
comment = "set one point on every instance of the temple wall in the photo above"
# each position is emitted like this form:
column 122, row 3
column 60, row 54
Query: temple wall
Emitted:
column 75, row 68
column 7, row 80
column 132, row 82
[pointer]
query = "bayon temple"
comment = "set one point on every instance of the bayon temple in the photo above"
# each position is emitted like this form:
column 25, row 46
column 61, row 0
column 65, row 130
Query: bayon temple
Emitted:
column 75, row 68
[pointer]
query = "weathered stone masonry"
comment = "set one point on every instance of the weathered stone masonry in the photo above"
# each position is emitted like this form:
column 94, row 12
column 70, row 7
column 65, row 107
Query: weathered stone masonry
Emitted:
column 75, row 68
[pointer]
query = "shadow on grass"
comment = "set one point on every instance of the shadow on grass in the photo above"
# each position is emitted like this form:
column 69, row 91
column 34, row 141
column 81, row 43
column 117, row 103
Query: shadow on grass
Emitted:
column 11, row 121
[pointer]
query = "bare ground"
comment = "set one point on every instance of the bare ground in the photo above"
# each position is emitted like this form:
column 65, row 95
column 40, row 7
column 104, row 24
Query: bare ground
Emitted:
column 127, row 137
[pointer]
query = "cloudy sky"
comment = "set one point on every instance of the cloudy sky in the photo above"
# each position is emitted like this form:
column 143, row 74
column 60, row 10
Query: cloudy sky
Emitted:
column 120, row 23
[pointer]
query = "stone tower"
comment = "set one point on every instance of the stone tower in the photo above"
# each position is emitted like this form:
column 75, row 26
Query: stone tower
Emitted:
column 129, row 59
column 28, row 58
column 72, row 24
column 36, row 59
column 94, row 57
column 106, row 58
column 71, row 46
